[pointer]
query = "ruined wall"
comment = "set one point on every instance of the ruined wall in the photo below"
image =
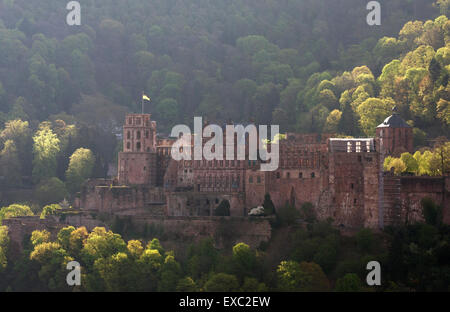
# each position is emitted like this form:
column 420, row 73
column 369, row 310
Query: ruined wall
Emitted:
column 414, row 189
column 138, row 199
column 202, row 203
column 179, row 230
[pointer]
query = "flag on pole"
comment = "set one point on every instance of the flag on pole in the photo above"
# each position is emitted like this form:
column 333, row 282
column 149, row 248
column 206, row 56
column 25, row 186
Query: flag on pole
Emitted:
column 144, row 97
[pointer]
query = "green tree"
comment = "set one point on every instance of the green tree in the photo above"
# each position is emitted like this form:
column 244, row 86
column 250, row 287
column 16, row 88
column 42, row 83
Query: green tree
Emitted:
column 15, row 210
column 53, row 261
column 244, row 261
column 45, row 150
column 372, row 112
column 80, row 168
column 350, row 282
column 50, row 210
column 10, row 166
column 40, row 237
column 186, row 284
column 269, row 207
column 291, row 277
column 102, row 244
column 410, row 162
column 222, row 282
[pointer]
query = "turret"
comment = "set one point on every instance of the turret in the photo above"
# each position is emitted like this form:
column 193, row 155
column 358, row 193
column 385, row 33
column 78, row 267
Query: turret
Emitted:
column 394, row 135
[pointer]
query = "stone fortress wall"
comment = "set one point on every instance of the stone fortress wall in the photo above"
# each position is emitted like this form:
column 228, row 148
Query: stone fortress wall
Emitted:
column 342, row 178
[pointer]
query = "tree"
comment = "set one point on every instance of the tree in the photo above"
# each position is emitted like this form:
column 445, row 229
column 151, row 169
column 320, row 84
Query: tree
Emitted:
column 171, row 273
column 45, row 150
column 350, row 282
column 365, row 240
column 222, row 282
column 410, row 162
column 291, row 277
column 118, row 272
column 244, row 260
column 15, row 210
column 269, row 207
column 186, row 284
column 135, row 248
column 372, row 112
column 332, row 123
column 53, row 261
column 19, row 133
column 287, row 214
column 202, row 258
column 80, row 168
column 102, row 244
column 50, row 210
column 10, row 166
column 40, row 237
column 251, row 285
column 398, row 165
column 64, row 237
column 50, row 191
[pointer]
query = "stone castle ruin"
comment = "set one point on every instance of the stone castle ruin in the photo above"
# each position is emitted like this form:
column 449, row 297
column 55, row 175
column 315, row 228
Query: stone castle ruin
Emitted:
column 343, row 179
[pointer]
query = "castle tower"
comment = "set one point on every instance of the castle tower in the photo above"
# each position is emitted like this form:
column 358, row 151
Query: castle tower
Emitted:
column 394, row 135
column 137, row 162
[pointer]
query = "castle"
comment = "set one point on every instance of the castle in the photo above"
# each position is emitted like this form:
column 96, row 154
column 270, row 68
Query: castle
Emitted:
column 343, row 178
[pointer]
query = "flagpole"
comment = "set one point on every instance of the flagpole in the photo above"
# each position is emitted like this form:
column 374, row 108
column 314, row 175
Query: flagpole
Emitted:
column 142, row 102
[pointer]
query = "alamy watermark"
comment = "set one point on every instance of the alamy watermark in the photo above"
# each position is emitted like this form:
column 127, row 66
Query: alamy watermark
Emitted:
column 374, row 276
column 374, row 16
column 73, row 278
column 258, row 147
column 73, row 18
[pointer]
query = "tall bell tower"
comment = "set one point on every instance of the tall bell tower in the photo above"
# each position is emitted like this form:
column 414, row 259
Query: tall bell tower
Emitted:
column 137, row 162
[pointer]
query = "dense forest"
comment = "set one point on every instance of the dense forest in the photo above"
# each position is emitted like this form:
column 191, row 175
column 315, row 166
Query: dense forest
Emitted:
column 304, row 64
column 310, row 256
column 307, row 65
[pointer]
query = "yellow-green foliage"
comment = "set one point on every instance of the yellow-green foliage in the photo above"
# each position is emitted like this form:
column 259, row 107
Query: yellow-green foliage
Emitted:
column 4, row 243
column 432, row 163
column 15, row 210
